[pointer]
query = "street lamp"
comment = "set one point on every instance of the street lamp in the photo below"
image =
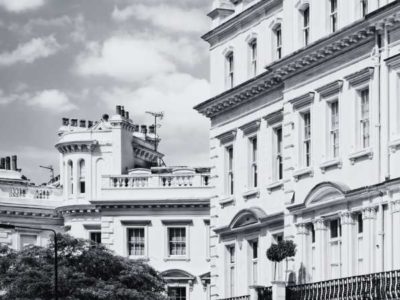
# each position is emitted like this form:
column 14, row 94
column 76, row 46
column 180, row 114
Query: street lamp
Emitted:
column 9, row 226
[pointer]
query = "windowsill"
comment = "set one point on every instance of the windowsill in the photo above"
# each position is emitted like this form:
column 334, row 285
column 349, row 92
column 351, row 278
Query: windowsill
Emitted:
column 336, row 162
column 395, row 145
column 367, row 152
column 227, row 200
column 252, row 193
column 177, row 258
column 275, row 185
column 144, row 258
column 309, row 171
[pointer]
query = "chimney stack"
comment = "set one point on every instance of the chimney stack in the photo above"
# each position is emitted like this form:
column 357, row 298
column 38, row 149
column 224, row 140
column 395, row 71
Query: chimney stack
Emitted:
column 143, row 129
column 65, row 121
column 14, row 163
column 152, row 129
column 118, row 109
column 74, row 122
column 2, row 163
column 8, row 163
column 82, row 123
column 90, row 124
column 122, row 111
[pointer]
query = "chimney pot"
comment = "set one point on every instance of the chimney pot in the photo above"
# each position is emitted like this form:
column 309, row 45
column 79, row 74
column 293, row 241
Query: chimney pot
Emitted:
column 106, row 117
column 65, row 121
column 2, row 163
column 14, row 163
column 122, row 111
column 74, row 122
column 90, row 124
column 8, row 163
column 82, row 123
column 136, row 128
column 118, row 109
column 127, row 115
column 143, row 129
column 152, row 129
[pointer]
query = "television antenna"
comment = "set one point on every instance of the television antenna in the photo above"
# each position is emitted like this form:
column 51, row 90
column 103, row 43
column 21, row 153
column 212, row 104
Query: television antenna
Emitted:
column 51, row 169
column 156, row 115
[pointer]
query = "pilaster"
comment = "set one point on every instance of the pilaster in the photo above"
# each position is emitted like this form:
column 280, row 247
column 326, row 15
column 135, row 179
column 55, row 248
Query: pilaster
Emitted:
column 369, row 217
column 395, row 205
column 347, row 223
column 301, row 254
column 320, row 249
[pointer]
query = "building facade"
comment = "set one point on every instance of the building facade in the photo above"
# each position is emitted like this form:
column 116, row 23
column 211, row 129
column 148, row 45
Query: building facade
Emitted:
column 113, row 190
column 304, row 140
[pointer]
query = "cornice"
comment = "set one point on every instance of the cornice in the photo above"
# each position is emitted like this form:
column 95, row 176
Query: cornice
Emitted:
column 275, row 117
column 77, row 146
column 220, row 11
column 227, row 137
column 302, row 101
column 393, row 61
column 321, row 51
column 330, row 89
column 27, row 212
column 250, row 127
column 360, row 77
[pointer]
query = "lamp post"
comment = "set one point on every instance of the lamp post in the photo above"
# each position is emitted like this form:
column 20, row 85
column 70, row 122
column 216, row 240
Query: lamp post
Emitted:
column 9, row 226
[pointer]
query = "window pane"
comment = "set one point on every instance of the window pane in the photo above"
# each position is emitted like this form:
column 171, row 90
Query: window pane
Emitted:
column 177, row 241
column 176, row 293
column 95, row 237
column 136, row 241
column 27, row 239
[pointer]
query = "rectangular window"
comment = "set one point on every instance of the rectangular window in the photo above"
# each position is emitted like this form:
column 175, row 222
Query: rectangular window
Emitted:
column 278, row 36
column 333, row 15
column 312, row 231
column 278, row 161
column 306, row 26
column 177, row 241
column 95, row 236
column 360, row 223
column 335, row 228
column 364, row 8
column 334, row 129
column 254, row 261
column 27, row 240
column 136, row 242
column 334, row 249
column 253, row 162
column 306, row 139
column 230, row 69
column 364, row 118
column 176, row 293
column 253, row 57
column 230, row 179
column 360, row 244
column 231, row 270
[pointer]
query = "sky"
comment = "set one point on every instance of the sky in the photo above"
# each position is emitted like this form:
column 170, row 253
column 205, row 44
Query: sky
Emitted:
column 79, row 59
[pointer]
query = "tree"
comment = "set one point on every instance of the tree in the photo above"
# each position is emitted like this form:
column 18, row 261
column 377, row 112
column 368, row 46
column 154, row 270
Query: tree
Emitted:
column 281, row 251
column 87, row 271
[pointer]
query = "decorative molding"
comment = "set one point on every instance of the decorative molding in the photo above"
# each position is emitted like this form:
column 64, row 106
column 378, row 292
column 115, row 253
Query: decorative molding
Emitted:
column 309, row 171
column 302, row 4
column 394, row 145
column 346, row 218
column 302, row 101
column 250, row 127
column 394, row 61
column 227, row 137
column 230, row 200
column 319, row 224
column 251, row 37
column 77, row 146
column 330, row 164
column 277, row 185
column 360, row 77
column 330, row 89
column 395, row 206
column 136, row 222
column 92, row 226
column 368, row 152
column 301, row 229
column 252, row 193
column 369, row 213
column 275, row 117
column 177, row 222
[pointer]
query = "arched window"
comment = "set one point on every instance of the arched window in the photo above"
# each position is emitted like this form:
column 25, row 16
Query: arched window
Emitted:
column 70, row 177
column 229, row 70
column 82, row 177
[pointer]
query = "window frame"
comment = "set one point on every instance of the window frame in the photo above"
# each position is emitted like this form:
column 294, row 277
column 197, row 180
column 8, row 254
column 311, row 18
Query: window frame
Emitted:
column 306, row 25
column 253, row 57
column 82, row 176
column 231, row 269
column 277, row 153
column 168, row 224
column 278, row 41
column 254, row 261
column 229, row 70
column 177, row 286
column 333, row 15
column 90, row 232
column 145, row 242
column 229, row 169
column 306, row 141
column 334, row 129
column 253, row 161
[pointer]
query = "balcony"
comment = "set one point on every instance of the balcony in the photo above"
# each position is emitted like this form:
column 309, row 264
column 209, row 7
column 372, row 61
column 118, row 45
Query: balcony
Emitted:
column 384, row 285
column 30, row 192
column 246, row 297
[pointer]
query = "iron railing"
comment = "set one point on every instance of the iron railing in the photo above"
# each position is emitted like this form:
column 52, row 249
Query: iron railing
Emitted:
column 246, row 297
column 384, row 285
column 264, row 293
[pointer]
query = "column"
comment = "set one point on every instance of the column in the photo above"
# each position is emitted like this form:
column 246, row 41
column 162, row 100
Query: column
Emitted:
column 301, row 255
column 395, row 236
column 320, row 249
column 347, row 223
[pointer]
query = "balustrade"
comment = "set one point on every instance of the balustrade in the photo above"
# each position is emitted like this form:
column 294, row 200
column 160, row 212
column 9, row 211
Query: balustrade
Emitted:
column 384, row 285
column 246, row 297
column 264, row 293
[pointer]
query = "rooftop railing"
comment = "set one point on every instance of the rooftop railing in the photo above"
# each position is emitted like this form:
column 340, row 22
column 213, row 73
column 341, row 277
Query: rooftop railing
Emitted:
column 31, row 192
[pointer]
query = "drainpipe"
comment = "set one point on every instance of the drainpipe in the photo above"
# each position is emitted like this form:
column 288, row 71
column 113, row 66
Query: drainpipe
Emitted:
column 387, row 175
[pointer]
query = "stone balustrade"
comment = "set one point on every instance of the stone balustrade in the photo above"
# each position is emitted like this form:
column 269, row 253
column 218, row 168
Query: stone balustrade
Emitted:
column 29, row 192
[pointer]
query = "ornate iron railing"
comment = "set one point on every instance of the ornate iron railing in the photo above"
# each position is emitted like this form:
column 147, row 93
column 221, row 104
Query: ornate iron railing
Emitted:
column 264, row 293
column 246, row 297
column 384, row 285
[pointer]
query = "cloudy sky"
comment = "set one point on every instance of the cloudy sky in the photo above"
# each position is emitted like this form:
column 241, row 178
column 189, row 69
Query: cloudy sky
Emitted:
column 80, row 58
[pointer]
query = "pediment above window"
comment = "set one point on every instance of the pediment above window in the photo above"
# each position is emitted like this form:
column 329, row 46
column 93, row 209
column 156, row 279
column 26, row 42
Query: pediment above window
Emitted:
column 250, row 127
column 303, row 100
column 393, row 61
column 247, row 217
column 178, row 275
column 360, row 77
column 227, row 137
column 324, row 193
column 330, row 89
column 275, row 117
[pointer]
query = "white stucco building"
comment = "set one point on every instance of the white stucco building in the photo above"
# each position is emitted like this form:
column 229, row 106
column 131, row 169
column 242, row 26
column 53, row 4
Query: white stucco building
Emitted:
column 114, row 192
column 304, row 144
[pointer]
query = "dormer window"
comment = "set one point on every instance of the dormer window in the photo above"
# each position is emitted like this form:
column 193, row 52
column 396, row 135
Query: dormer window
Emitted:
column 229, row 66
column 306, row 25
column 333, row 15
column 253, row 58
column 278, row 41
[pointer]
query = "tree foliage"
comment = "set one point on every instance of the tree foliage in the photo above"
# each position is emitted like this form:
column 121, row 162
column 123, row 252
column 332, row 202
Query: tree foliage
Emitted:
column 282, row 250
column 86, row 271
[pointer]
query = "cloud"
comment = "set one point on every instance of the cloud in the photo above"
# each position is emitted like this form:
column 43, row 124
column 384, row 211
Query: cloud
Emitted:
column 135, row 59
column 167, row 17
column 29, row 52
column 7, row 99
column 184, row 131
column 18, row 6
column 54, row 101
